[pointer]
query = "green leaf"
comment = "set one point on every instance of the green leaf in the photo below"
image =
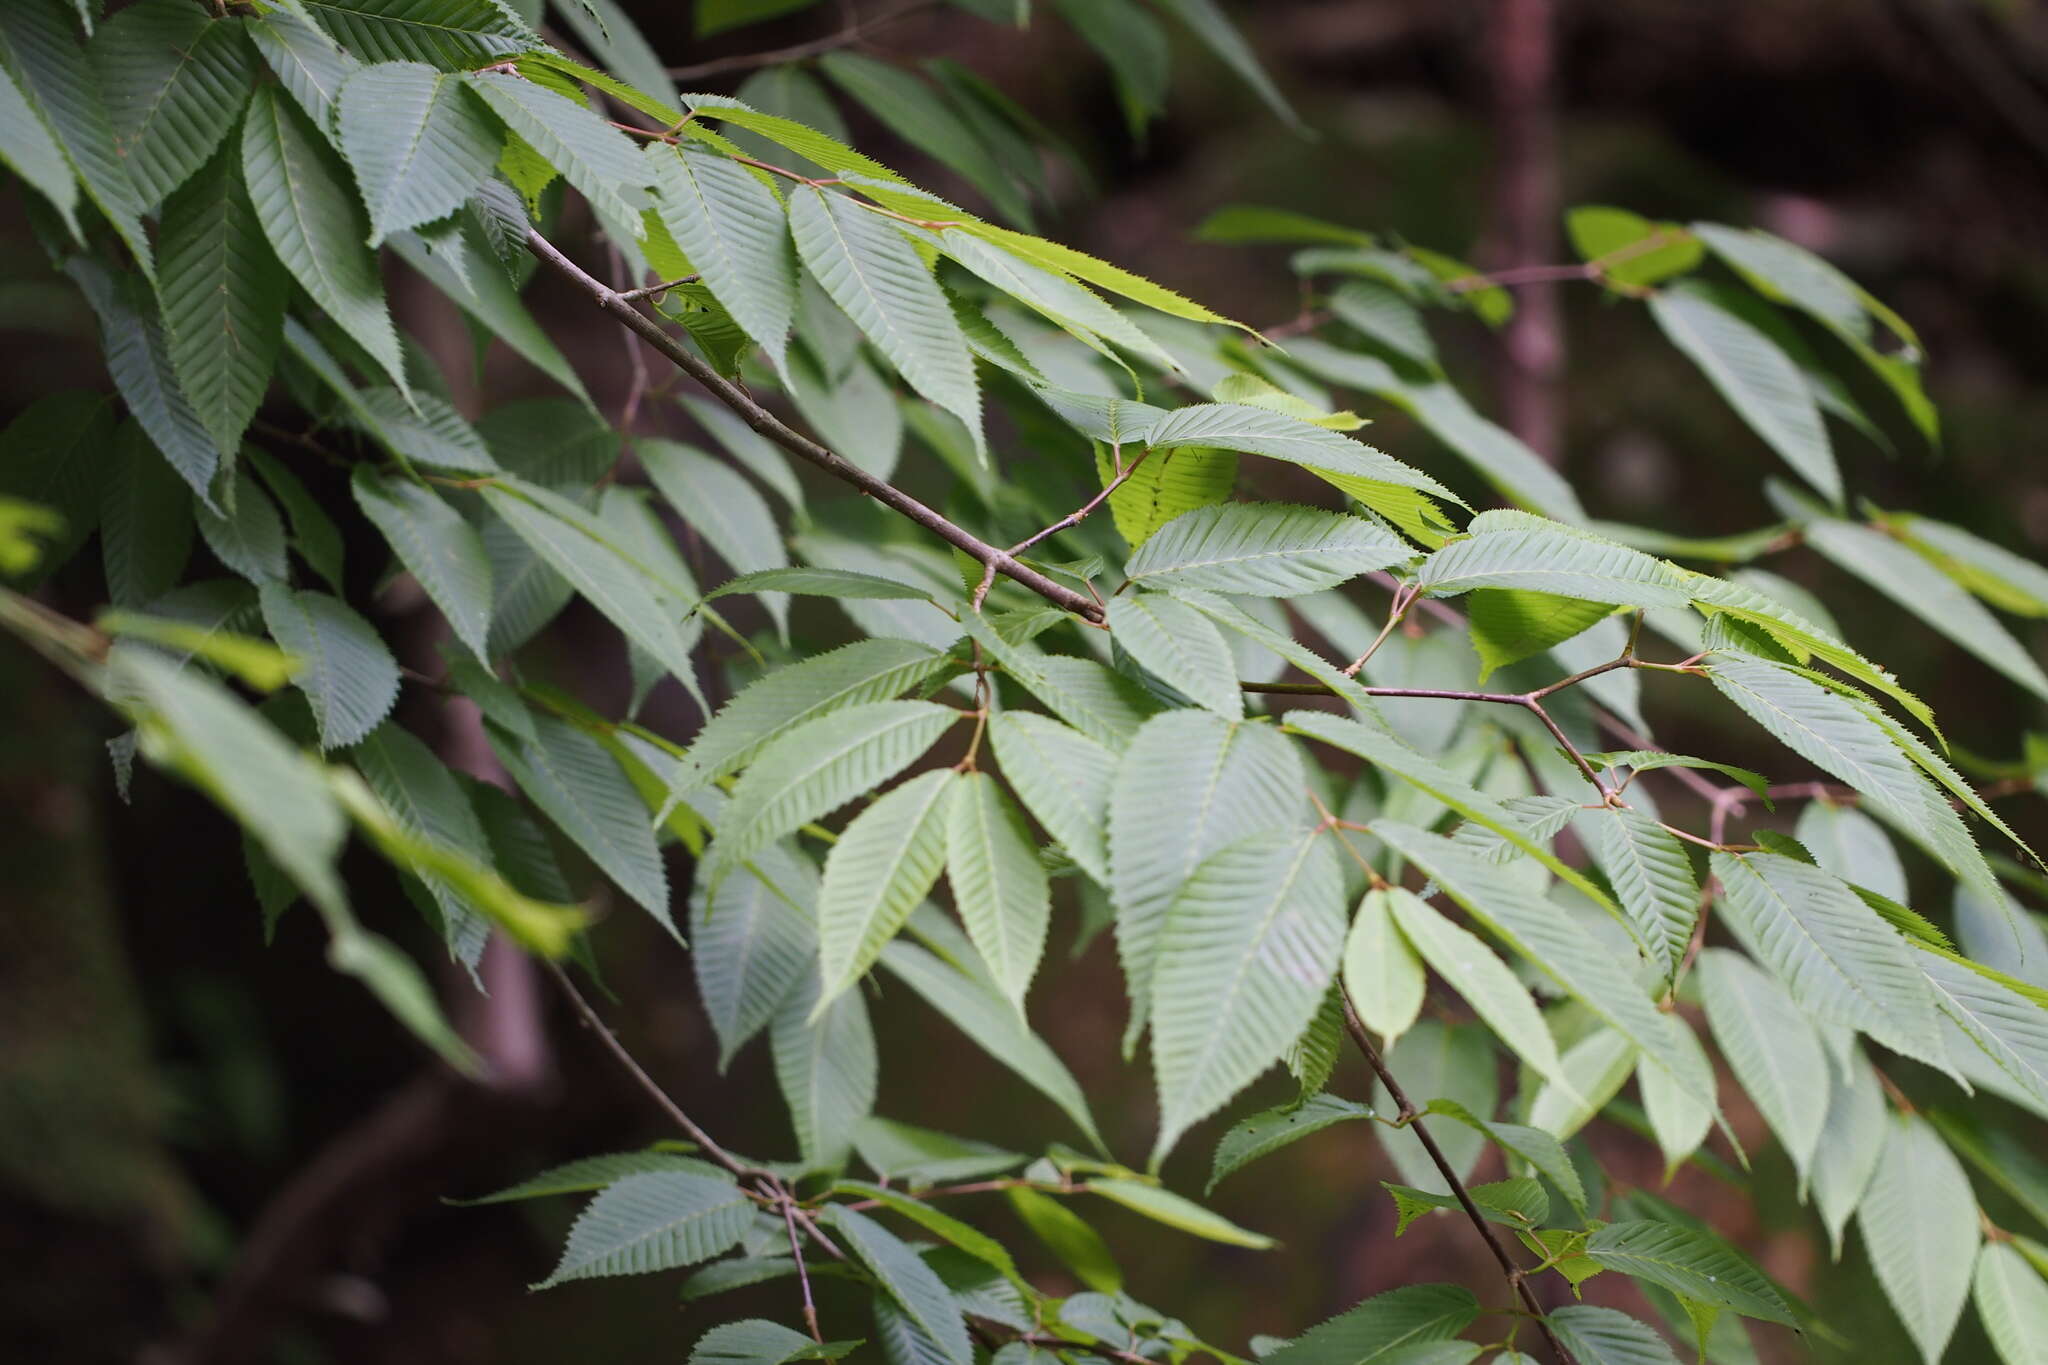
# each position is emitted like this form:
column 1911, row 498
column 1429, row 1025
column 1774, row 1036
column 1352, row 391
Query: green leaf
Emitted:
column 1516, row 550
column 1690, row 1263
column 1908, row 579
column 1493, row 991
column 755, row 1341
column 1629, row 249
column 864, row 671
column 806, row 581
column 999, row 886
column 1263, row 549
column 132, row 340
column 608, row 32
column 1179, row 646
column 40, row 50
column 1544, row 1153
column 1854, row 745
column 923, row 117
column 653, row 1221
column 721, row 505
column 1350, row 465
column 1169, row 484
column 825, row 1067
column 1188, row 784
column 1603, row 1336
column 1742, row 347
column 873, row 272
column 175, row 82
column 441, row 551
column 646, row 608
column 971, row 1240
column 591, row 1173
column 579, row 786
column 250, row 538
column 1104, row 705
column 1840, row 961
column 877, row 873
column 2002, row 578
column 1079, row 1247
column 1063, row 778
column 1385, row 318
column 1206, row 20
column 1374, row 1332
column 2012, row 1301
column 347, row 672
column 963, row 991
column 2006, row 1019
column 1652, row 878
column 453, row 34
column 222, row 299
column 751, row 942
column 310, row 65
column 1775, row 1052
column 1265, row 1133
column 1245, row 952
column 314, row 536
column 1512, row 624
column 422, row 795
column 258, row 663
column 316, row 226
column 1258, row 224
column 1648, row 760
column 1542, row 932
column 419, row 142
column 30, row 150
column 1919, row 1225
column 907, row 1280
column 736, row 234
column 818, row 766
column 1382, row 973
column 1852, row 1136
column 1516, row 1203
column 145, row 518
column 905, row 1154
column 601, row 162
column 401, row 988
column 1164, row 1206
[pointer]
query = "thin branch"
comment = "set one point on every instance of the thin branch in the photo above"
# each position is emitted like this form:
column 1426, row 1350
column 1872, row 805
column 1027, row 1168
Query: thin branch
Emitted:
column 647, row 1083
column 846, row 37
column 801, row 446
column 1071, row 519
column 1412, row 1120
column 803, row 1275
column 649, row 291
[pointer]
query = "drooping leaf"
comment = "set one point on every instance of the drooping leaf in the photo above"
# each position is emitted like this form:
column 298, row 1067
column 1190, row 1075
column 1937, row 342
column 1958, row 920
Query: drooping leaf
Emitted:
column 1179, row 646
column 1382, row 973
column 145, row 519
column 1164, row 1206
column 656, row 1220
column 723, row 507
column 1489, row 987
column 1604, row 1336
column 175, row 80
column 601, row 162
column 907, row 1280
column 55, row 455
column 316, row 225
column 999, row 886
column 751, row 942
column 1263, row 549
column 924, row 118
column 825, row 1067
column 1246, row 949
column 347, row 671
column 1742, row 348
column 756, row 1341
column 1919, row 1226
column 1265, row 1133
column 419, row 143
column 1774, row 1050
column 1079, row 1247
column 736, row 234
column 579, row 786
column 820, row 765
column 441, row 550
column 2012, row 1301
column 1188, row 784
column 1206, row 20
column 453, row 34
column 1840, row 961
column 249, row 537
column 1063, row 778
column 1652, row 878
column 2006, row 1019
column 885, row 861
column 1852, row 1136
column 1691, row 1263
column 874, row 274
column 132, row 340
column 589, row 1174
column 30, row 150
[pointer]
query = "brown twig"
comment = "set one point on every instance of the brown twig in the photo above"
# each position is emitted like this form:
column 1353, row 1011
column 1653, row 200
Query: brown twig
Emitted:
column 1411, row 1118
column 801, row 446
column 851, row 34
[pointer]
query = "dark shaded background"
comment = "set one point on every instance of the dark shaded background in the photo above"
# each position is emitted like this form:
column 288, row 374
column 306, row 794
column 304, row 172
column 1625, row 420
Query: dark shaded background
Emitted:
column 173, row 1092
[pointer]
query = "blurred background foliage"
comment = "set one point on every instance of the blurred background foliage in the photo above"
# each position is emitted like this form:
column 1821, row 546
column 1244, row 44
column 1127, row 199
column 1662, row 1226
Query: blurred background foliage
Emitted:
column 175, row 1094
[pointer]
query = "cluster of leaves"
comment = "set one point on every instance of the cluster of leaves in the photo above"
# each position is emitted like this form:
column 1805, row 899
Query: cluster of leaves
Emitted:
column 1097, row 710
